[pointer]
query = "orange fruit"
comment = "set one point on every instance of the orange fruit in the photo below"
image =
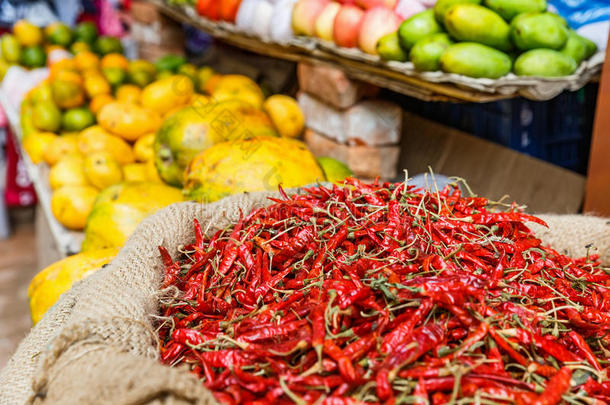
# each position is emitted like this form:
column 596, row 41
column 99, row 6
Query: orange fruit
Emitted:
column 86, row 60
column 129, row 93
column 96, row 84
column 61, row 66
column 211, row 83
column 115, row 60
column 97, row 102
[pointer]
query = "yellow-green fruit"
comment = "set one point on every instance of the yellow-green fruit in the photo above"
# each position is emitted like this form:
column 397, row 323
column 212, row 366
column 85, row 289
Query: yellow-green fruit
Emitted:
column 417, row 27
column 427, row 52
column 474, row 23
column 102, row 170
column 135, row 172
column 128, row 120
column 68, row 172
column 575, row 47
column 11, row 50
column 256, row 164
column 286, row 115
column 475, row 60
column 46, row 116
column 441, row 7
column 97, row 139
column 144, row 149
column 165, row 94
column 389, row 48
column 35, row 144
column 334, row 170
column 27, row 33
column 544, row 63
column 538, row 30
column 238, row 87
column 508, row 9
column 50, row 283
column 203, row 75
column 71, row 205
column 120, row 208
column 192, row 129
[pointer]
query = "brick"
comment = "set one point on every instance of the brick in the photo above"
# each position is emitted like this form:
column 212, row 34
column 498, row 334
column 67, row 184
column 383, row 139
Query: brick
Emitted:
column 365, row 161
column 370, row 122
column 144, row 12
column 332, row 85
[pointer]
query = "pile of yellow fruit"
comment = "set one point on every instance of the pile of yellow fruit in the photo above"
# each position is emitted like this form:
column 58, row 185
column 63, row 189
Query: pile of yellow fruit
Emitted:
column 33, row 47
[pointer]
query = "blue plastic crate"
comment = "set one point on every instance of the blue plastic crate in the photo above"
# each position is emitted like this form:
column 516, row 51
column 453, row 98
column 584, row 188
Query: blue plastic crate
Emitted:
column 557, row 131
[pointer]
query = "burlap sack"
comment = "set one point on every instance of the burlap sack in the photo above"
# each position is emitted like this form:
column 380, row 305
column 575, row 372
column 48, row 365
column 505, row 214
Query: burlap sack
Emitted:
column 97, row 345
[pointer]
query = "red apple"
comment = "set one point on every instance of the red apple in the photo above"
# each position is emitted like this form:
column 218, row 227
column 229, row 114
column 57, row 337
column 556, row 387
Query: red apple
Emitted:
column 228, row 9
column 326, row 21
column 368, row 4
column 305, row 14
column 377, row 22
column 347, row 26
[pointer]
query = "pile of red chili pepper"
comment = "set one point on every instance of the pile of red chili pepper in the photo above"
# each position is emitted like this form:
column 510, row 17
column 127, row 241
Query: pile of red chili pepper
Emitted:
column 380, row 293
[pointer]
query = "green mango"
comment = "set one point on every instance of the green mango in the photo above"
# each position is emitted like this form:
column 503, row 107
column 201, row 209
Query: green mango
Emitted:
column 575, row 47
column 441, row 7
column 509, row 9
column 545, row 63
column 474, row 23
column 417, row 27
column 591, row 48
column 388, row 48
column 538, row 30
column 475, row 60
column 426, row 53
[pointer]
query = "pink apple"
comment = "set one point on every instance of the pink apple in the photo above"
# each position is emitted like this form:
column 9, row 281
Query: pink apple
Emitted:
column 377, row 22
column 368, row 4
column 408, row 8
column 326, row 21
column 347, row 26
column 304, row 16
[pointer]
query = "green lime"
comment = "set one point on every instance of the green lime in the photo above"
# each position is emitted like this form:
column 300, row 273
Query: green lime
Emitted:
column 334, row 170
column 104, row 45
column 11, row 50
column 115, row 76
column 170, row 62
column 46, row 116
column 33, row 57
column 59, row 34
column 77, row 119
column 86, row 32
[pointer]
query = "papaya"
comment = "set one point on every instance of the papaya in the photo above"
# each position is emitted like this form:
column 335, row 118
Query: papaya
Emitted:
column 426, row 54
column 545, row 63
column 538, row 30
column 441, row 7
column 509, row 9
column 417, row 27
column 475, row 60
column 474, row 23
